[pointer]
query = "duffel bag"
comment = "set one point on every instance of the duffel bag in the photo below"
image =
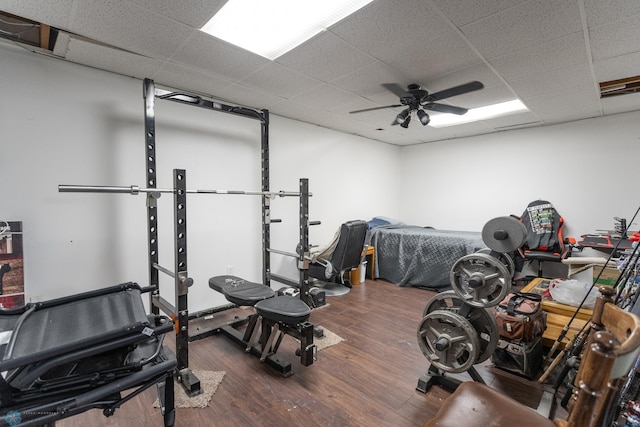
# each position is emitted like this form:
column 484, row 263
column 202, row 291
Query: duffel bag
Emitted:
column 520, row 317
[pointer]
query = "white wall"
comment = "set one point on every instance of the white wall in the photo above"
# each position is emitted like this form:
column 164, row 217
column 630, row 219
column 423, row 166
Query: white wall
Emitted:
column 585, row 168
column 62, row 123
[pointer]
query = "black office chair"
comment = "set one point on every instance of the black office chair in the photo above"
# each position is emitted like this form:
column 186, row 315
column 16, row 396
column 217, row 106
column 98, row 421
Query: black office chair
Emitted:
column 333, row 265
column 544, row 235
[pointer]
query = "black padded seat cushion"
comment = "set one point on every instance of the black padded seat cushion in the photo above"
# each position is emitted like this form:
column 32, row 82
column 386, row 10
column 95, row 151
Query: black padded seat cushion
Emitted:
column 285, row 308
column 240, row 291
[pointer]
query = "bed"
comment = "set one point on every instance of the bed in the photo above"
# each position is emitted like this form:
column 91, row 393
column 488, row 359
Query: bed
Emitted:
column 409, row 255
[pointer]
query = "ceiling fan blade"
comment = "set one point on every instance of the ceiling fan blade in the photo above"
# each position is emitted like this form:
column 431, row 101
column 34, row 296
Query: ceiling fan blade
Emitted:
column 446, row 108
column 375, row 108
column 454, row 91
column 396, row 89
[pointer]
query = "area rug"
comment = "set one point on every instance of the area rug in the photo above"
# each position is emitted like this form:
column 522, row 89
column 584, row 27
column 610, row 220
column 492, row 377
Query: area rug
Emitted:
column 209, row 382
column 327, row 340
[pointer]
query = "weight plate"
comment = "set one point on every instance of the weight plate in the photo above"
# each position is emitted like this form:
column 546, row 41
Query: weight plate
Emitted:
column 504, row 234
column 447, row 300
column 480, row 280
column 482, row 320
column 504, row 258
column 449, row 341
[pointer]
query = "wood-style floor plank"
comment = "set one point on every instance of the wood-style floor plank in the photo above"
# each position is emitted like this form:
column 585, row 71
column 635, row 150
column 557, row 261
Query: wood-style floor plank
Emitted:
column 369, row 379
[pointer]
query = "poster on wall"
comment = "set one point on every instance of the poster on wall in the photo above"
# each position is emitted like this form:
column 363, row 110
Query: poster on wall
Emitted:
column 11, row 264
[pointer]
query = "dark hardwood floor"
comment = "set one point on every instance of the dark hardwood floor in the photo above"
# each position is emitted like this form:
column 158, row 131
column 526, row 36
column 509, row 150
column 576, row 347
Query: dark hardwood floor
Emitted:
column 369, row 379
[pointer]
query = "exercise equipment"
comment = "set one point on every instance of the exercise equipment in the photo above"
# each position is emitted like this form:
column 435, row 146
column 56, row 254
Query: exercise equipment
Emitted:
column 483, row 321
column 275, row 316
column 458, row 329
column 608, row 357
column 65, row 356
column 135, row 190
column 179, row 309
column 481, row 280
column 504, row 234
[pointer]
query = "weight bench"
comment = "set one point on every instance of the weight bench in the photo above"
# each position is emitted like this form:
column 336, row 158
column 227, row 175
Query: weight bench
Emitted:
column 68, row 355
column 274, row 316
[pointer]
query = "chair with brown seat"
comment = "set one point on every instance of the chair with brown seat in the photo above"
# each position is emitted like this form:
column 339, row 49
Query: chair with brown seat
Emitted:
column 613, row 346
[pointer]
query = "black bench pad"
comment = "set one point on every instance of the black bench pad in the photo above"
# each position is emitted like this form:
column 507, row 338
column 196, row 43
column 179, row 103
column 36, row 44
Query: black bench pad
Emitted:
column 286, row 309
column 240, row 291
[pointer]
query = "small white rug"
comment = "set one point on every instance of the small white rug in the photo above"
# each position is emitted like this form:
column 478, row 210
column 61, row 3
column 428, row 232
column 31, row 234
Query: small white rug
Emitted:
column 327, row 340
column 209, row 382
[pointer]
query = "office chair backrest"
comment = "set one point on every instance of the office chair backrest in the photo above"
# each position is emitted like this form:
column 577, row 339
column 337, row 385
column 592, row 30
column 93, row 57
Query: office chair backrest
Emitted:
column 544, row 227
column 348, row 252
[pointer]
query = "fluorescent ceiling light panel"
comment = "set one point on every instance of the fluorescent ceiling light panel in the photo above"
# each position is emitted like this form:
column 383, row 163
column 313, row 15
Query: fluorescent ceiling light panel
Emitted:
column 480, row 113
column 271, row 28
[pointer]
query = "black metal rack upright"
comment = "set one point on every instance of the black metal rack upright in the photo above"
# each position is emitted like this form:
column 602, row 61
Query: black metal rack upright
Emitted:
column 179, row 311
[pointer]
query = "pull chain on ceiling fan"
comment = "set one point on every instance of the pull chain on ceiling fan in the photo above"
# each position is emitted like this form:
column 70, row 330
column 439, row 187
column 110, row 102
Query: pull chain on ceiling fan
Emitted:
column 417, row 99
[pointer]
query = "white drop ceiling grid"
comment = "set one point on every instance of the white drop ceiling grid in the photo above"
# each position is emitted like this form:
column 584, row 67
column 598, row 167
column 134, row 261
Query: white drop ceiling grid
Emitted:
column 551, row 54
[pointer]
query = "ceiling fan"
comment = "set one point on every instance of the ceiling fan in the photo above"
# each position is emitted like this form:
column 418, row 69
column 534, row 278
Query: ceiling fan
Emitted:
column 418, row 99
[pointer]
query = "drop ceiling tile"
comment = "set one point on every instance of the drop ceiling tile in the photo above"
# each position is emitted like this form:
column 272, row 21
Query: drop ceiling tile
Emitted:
column 423, row 58
column 525, row 25
column 303, row 112
column 249, row 97
column 384, row 27
column 56, row 13
column 615, row 39
column 553, row 81
column 103, row 57
column 617, row 68
column 600, row 12
column 179, row 77
column 430, row 134
column 276, row 78
column 382, row 118
column 212, row 55
column 463, row 12
column 563, row 52
column 512, row 121
column 367, row 81
column 574, row 104
column 325, row 97
column 621, row 104
column 194, row 13
column 325, row 57
column 480, row 72
column 127, row 26
column 469, row 129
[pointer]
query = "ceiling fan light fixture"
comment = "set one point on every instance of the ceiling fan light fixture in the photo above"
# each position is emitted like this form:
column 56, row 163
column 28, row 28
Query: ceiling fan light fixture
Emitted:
column 405, row 123
column 404, row 116
column 424, row 117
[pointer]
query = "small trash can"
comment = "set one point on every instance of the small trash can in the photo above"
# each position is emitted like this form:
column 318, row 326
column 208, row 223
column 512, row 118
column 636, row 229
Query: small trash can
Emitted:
column 363, row 271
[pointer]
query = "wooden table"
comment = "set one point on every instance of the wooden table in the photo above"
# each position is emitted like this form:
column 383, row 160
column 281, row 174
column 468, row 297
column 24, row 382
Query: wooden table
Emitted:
column 558, row 315
column 370, row 252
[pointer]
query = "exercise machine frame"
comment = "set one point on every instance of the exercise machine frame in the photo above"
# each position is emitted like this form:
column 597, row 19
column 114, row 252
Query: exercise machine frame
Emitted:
column 180, row 310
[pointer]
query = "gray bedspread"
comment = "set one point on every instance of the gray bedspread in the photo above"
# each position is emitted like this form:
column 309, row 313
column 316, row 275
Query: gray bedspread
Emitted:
column 418, row 256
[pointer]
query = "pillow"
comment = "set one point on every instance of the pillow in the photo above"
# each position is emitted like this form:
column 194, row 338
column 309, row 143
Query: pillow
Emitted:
column 377, row 222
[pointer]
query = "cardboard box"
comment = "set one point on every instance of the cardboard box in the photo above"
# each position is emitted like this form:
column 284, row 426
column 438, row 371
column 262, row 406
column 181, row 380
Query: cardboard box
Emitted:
column 608, row 277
